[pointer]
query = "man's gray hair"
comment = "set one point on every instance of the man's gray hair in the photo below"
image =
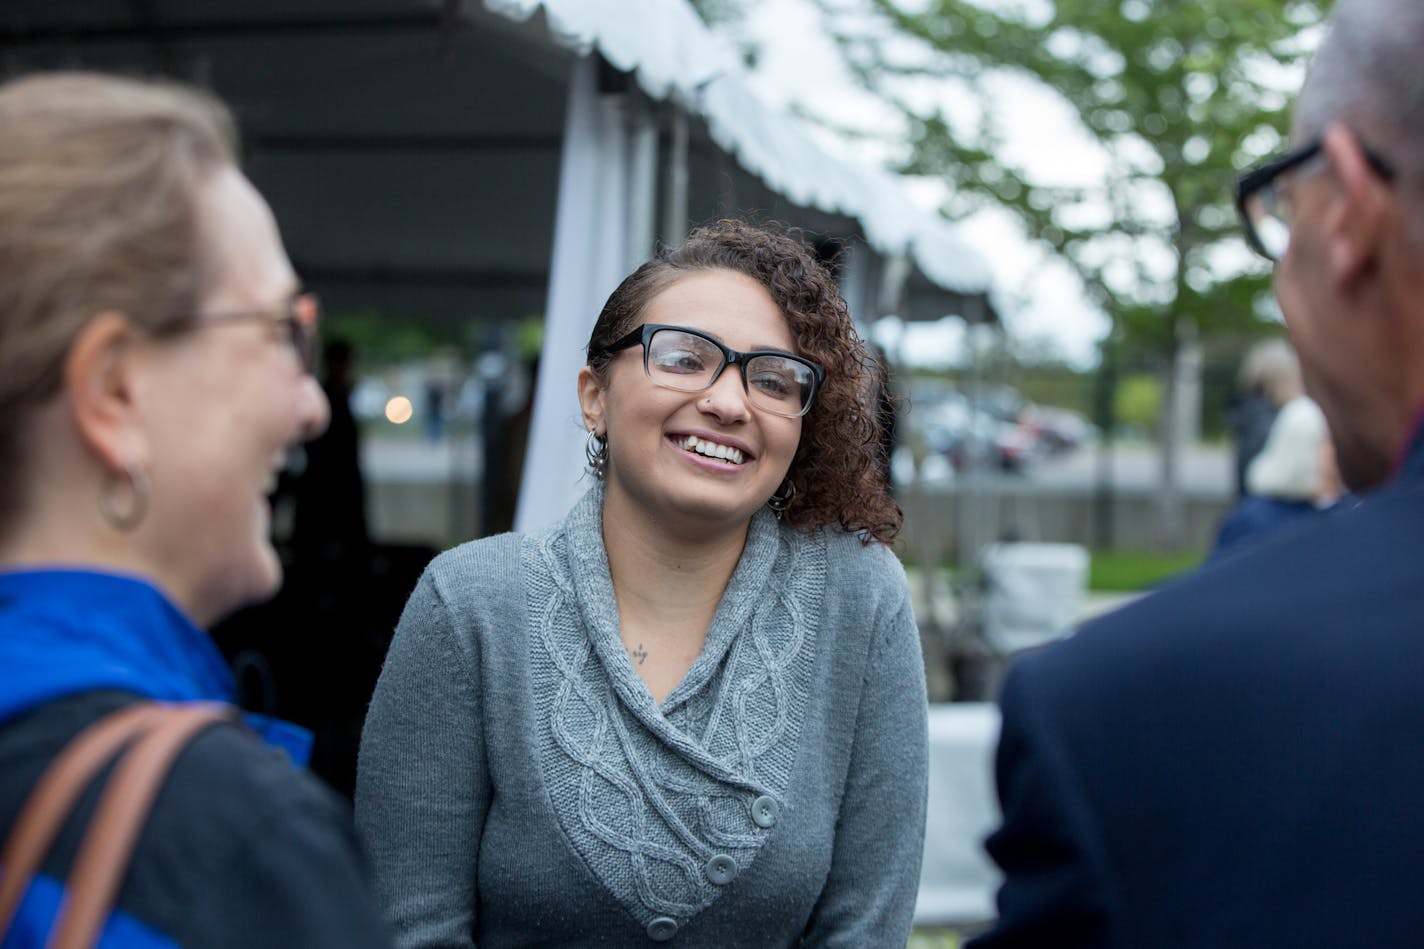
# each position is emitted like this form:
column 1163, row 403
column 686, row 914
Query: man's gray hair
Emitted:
column 1368, row 75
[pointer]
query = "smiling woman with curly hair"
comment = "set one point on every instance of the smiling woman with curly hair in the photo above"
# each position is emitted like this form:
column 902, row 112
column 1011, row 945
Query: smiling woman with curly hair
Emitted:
column 695, row 708
column 837, row 472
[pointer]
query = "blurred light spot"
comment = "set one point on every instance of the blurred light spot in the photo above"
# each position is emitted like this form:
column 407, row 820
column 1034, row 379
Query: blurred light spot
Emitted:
column 398, row 410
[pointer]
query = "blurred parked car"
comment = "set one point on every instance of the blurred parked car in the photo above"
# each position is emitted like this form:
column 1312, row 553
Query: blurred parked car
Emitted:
column 1058, row 430
column 969, row 434
column 993, row 428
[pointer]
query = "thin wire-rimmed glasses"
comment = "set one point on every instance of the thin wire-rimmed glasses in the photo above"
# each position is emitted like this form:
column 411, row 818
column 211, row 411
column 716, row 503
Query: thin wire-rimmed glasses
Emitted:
column 688, row 360
column 299, row 317
column 1258, row 196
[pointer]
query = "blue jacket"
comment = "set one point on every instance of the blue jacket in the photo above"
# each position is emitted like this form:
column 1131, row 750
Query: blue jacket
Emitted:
column 1254, row 517
column 241, row 849
column 1234, row 760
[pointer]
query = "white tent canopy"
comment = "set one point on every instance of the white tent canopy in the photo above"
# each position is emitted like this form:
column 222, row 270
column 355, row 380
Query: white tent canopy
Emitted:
column 672, row 55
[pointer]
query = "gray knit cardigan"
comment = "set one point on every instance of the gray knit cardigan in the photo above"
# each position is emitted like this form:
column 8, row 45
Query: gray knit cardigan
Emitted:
column 518, row 785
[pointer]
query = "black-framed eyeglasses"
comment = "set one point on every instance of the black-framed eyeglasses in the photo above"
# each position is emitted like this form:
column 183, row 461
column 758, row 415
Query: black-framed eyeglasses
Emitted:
column 688, row 360
column 1258, row 196
column 299, row 317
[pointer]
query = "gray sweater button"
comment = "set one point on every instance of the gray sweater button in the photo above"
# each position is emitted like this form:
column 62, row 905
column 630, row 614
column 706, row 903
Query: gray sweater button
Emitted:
column 662, row 929
column 765, row 811
column 721, row 869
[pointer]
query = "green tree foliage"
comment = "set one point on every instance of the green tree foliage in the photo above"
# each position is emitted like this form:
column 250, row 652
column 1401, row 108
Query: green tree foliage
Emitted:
column 728, row 17
column 719, row 12
column 378, row 340
column 1138, row 402
column 1180, row 95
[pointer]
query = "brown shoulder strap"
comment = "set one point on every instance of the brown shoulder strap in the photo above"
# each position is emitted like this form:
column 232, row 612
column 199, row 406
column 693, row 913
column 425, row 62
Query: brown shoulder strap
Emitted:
column 122, row 811
column 54, row 795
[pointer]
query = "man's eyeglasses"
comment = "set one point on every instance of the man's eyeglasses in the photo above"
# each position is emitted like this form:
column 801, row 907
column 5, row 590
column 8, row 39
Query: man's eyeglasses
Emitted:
column 299, row 318
column 1259, row 201
column 687, row 360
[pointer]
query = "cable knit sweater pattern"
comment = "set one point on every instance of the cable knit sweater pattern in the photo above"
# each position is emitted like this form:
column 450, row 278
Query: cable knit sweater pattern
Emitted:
column 520, row 786
column 649, row 795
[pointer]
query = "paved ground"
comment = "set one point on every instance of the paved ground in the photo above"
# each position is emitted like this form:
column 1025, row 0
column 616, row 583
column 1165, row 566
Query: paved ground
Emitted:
column 1205, row 469
column 415, row 458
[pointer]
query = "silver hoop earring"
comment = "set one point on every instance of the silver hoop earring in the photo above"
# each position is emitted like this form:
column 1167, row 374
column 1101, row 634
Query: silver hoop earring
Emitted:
column 595, row 449
column 125, row 514
column 783, row 497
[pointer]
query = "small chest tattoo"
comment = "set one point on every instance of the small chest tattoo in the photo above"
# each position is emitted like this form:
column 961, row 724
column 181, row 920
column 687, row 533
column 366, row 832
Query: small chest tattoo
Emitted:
column 639, row 654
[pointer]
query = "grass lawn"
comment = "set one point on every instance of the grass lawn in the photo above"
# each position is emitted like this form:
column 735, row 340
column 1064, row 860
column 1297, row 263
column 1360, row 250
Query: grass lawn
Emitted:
column 1119, row 571
column 1126, row 571
column 933, row 939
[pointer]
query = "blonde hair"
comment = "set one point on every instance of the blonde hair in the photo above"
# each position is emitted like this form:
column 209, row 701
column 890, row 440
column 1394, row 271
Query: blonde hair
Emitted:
column 99, row 177
column 1271, row 369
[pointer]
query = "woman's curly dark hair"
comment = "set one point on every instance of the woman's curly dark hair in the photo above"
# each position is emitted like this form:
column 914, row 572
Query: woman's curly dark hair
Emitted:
column 838, row 471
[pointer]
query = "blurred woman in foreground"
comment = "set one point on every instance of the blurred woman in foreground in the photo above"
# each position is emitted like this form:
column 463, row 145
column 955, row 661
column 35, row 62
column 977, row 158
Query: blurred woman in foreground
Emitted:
column 154, row 368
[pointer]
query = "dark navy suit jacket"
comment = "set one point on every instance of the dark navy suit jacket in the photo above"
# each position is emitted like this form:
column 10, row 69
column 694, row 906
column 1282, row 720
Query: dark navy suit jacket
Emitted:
column 1237, row 760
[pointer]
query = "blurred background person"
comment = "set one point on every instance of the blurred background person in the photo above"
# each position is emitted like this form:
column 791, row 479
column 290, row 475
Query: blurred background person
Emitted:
column 887, row 411
column 329, row 529
column 1293, row 476
column 507, row 467
column 155, row 360
column 1269, row 378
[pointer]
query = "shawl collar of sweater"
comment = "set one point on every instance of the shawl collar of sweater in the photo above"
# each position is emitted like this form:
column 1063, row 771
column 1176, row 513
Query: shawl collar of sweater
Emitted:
column 593, row 584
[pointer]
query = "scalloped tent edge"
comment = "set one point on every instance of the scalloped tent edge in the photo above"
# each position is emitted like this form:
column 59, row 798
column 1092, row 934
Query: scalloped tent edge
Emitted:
column 671, row 54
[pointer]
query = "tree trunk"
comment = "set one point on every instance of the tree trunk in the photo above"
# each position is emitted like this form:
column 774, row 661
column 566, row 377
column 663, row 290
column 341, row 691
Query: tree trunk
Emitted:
column 1171, row 528
column 1104, row 416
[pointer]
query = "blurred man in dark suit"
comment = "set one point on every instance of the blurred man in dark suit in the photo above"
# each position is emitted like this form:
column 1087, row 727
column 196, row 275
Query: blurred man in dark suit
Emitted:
column 1236, row 760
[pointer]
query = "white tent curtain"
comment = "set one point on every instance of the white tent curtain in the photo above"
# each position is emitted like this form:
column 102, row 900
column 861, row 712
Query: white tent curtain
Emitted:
column 599, row 234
